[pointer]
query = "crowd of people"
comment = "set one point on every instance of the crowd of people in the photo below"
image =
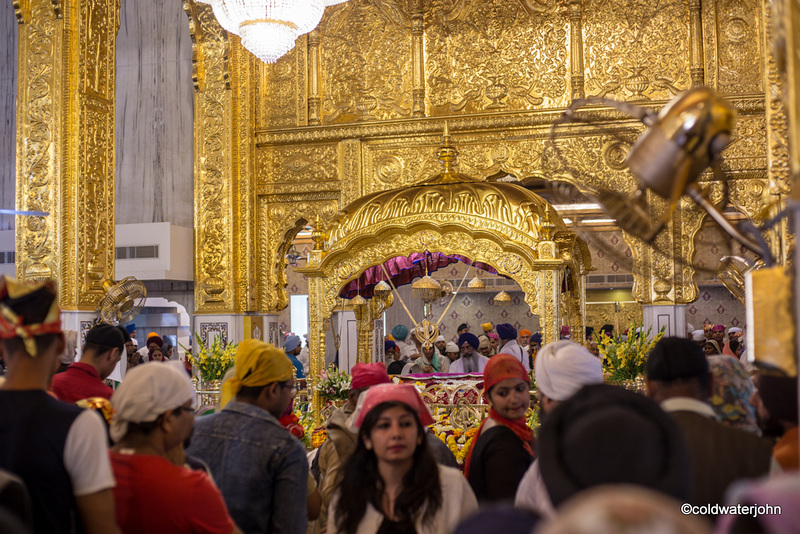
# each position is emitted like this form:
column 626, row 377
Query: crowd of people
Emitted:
column 605, row 459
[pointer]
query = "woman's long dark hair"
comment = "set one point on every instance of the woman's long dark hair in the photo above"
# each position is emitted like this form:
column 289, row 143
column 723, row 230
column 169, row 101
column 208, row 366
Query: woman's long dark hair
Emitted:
column 361, row 483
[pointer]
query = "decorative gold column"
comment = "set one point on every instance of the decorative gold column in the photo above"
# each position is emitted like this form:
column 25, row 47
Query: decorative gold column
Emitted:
column 697, row 66
column 313, row 78
column 363, row 312
column 576, row 48
column 66, row 112
column 418, row 58
column 316, row 320
column 224, row 168
column 778, row 166
column 550, row 284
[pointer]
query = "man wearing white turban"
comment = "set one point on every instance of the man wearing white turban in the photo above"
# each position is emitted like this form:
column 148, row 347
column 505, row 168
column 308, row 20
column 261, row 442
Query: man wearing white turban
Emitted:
column 154, row 415
column 560, row 369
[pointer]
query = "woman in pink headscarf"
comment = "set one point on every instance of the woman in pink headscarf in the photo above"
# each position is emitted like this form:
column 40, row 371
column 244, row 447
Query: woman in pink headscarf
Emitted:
column 387, row 483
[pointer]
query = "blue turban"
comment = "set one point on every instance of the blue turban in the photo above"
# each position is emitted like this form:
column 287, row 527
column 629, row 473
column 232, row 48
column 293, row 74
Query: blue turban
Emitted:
column 389, row 345
column 536, row 338
column 506, row 331
column 131, row 328
column 291, row 343
column 471, row 339
column 400, row 332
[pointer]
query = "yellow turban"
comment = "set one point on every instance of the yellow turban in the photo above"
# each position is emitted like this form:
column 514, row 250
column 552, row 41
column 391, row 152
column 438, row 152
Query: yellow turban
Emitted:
column 486, row 327
column 257, row 364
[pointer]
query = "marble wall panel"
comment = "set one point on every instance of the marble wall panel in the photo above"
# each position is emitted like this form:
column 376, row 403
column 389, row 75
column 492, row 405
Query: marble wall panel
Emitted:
column 154, row 174
column 8, row 111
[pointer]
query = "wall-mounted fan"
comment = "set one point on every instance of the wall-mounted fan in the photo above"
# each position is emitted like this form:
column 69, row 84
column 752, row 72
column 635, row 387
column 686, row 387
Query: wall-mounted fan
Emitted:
column 123, row 300
column 682, row 140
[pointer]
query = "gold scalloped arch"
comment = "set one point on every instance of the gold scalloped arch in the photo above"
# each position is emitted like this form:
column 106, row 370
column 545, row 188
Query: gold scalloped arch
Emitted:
column 502, row 224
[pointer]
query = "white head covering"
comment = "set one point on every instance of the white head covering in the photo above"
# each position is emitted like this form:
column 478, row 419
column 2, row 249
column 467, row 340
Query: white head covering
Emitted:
column 147, row 392
column 699, row 335
column 564, row 367
column 690, row 328
column 438, row 339
column 451, row 347
column 734, row 330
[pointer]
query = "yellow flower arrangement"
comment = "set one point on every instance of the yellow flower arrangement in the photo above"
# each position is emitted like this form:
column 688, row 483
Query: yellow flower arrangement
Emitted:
column 625, row 359
column 212, row 362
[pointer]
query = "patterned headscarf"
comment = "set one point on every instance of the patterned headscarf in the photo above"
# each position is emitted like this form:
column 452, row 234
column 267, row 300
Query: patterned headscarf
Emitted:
column 13, row 325
column 731, row 390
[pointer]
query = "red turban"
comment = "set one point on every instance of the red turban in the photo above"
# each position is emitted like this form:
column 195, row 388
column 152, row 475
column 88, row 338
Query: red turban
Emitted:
column 369, row 374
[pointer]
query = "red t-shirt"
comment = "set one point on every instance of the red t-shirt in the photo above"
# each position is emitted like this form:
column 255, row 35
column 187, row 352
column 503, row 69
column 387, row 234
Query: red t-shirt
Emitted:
column 79, row 381
column 153, row 495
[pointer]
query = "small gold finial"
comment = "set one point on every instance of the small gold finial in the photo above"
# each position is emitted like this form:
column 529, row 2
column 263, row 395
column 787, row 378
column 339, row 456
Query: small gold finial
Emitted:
column 447, row 154
column 318, row 235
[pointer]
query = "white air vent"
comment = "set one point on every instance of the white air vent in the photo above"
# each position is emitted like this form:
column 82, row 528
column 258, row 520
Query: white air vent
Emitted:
column 141, row 252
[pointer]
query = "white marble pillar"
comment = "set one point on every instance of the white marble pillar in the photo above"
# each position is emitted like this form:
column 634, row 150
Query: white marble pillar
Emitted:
column 672, row 317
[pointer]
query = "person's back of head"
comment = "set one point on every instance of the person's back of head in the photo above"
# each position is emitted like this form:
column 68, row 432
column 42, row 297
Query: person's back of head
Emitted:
column 677, row 367
column 562, row 368
column 145, row 398
column 605, row 434
column 103, row 348
column 30, row 320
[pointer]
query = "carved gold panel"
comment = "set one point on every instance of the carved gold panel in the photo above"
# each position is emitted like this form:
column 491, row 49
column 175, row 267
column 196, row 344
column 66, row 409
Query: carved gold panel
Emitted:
column 619, row 314
column 304, row 165
column 66, row 140
column 360, row 81
column 740, row 59
column 475, row 61
column 279, row 91
column 636, row 50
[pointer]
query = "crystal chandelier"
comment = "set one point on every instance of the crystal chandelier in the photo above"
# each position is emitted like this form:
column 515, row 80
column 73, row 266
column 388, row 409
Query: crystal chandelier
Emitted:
column 269, row 28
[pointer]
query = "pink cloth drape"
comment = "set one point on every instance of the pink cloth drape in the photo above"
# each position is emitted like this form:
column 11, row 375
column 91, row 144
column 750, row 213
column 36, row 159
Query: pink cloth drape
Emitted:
column 403, row 270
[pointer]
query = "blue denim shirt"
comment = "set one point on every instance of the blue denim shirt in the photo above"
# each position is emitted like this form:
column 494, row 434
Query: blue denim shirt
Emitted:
column 259, row 467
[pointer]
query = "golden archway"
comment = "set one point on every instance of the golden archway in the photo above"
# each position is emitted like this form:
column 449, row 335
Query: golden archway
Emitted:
column 501, row 224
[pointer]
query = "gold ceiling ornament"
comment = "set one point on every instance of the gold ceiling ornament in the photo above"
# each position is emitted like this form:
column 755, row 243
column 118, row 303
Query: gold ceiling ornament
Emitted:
column 426, row 288
column 358, row 300
column 502, row 299
column 476, row 284
column 268, row 28
column 382, row 289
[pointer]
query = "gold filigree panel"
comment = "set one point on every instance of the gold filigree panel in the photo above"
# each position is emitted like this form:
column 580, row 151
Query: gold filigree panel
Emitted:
column 306, row 164
column 214, row 194
column 278, row 91
column 365, row 51
column 748, row 150
column 475, row 58
column 619, row 314
column 38, row 146
column 636, row 50
column 740, row 60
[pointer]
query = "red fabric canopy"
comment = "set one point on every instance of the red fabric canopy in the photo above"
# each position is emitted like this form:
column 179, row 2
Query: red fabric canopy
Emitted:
column 403, row 270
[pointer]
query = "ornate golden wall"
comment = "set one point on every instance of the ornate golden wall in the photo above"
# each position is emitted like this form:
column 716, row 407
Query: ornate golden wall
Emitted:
column 359, row 104
column 65, row 145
